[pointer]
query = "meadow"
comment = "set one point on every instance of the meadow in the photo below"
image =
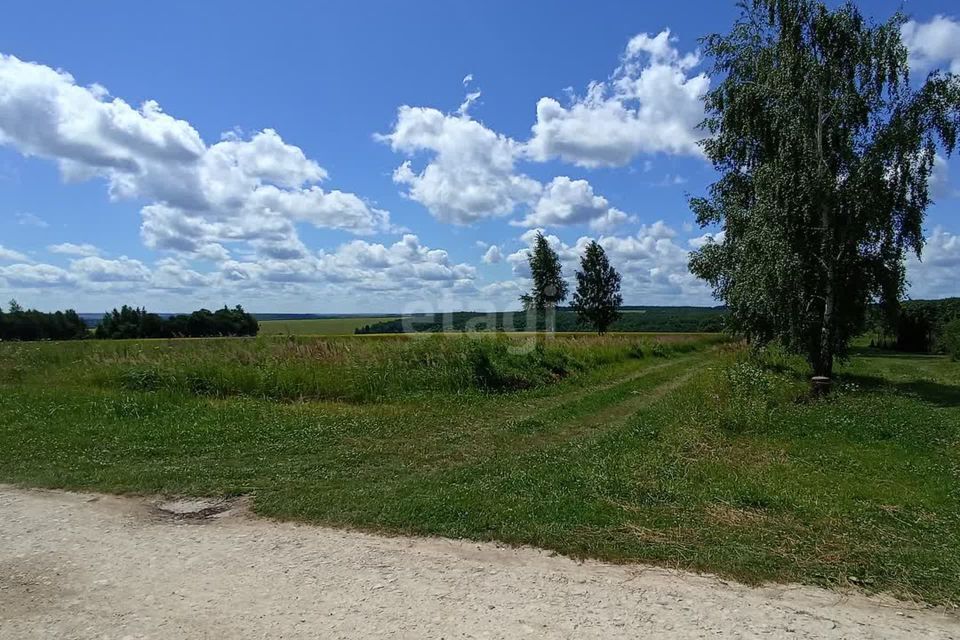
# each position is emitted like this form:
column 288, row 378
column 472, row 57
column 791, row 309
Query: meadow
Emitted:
column 319, row 326
column 682, row 451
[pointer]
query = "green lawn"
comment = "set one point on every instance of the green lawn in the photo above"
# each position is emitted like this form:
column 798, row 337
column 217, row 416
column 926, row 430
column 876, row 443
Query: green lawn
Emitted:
column 691, row 456
column 318, row 326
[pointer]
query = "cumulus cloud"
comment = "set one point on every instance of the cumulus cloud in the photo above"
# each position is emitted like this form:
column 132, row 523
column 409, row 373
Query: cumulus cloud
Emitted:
column 493, row 255
column 259, row 184
column 123, row 269
column 406, row 264
column 569, row 254
column 939, row 181
column 653, row 263
column 9, row 255
column 568, row 202
column 407, row 269
column 35, row 276
column 651, row 104
column 705, row 239
column 935, row 275
column 172, row 274
column 933, row 44
column 463, row 171
column 71, row 249
column 470, row 173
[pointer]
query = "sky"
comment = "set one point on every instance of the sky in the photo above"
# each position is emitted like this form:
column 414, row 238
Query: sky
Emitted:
column 349, row 157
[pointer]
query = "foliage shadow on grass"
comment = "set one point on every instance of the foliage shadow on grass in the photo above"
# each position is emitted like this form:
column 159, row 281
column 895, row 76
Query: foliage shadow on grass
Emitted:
column 873, row 352
column 935, row 393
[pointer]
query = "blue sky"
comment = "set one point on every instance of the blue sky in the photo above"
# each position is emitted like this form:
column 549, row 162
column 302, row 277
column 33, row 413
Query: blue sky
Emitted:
column 208, row 153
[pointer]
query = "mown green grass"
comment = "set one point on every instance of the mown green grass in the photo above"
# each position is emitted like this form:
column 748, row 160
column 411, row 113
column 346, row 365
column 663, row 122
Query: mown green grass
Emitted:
column 698, row 457
column 317, row 326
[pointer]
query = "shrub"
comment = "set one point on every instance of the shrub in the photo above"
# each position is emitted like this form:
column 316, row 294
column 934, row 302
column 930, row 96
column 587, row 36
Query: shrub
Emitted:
column 750, row 388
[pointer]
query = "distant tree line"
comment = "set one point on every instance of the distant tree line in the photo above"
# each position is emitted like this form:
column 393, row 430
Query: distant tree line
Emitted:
column 21, row 324
column 131, row 322
column 29, row 324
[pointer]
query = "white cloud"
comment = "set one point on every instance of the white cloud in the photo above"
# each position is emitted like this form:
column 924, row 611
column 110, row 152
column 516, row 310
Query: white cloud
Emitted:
column 470, row 175
column 406, row 269
column 493, row 255
column 651, row 104
column 705, row 239
column 124, row 269
column 406, row 264
column 29, row 219
column 670, row 180
column 568, row 202
column 939, row 181
column 171, row 274
column 932, row 43
column 935, row 276
column 468, row 101
column 569, row 254
column 652, row 262
column 259, row 184
column 9, row 255
column 71, row 249
column 32, row 276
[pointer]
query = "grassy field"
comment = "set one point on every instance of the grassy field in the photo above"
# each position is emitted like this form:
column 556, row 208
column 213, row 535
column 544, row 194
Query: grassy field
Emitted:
column 684, row 452
column 318, row 326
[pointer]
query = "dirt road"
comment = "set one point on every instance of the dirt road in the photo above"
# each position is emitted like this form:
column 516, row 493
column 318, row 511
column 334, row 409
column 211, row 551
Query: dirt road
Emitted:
column 85, row 566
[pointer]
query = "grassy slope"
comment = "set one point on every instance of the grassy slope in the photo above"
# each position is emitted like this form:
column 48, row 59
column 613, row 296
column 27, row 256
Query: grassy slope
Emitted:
column 317, row 326
column 700, row 460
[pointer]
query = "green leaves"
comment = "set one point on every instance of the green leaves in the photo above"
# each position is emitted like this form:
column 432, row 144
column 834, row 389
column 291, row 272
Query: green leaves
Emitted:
column 824, row 152
column 549, row 287
column 597, row 299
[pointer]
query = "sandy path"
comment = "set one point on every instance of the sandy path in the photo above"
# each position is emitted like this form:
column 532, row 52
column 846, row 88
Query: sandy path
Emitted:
column 84, row 566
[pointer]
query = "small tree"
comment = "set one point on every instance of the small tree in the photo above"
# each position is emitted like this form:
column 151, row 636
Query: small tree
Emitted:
column 597, row 299
column 824, row 151
column 549, row 287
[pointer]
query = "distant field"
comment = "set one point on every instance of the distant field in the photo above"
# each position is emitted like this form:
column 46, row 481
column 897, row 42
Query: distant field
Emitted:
column 318, row 326
column 678, row 450
column 633, row 320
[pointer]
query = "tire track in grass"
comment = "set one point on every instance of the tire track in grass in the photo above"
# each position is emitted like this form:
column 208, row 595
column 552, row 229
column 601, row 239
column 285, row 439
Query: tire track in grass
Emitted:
column 472, row 437
column 588, row 413
column 606, row 407
column 532, row 405
column 492, row 459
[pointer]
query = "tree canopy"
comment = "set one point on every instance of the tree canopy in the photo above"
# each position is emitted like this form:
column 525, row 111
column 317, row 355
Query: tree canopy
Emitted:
column 29, row 324
column 549, row 287
column 597, row 299
column 130, row 322
column 824, row 150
